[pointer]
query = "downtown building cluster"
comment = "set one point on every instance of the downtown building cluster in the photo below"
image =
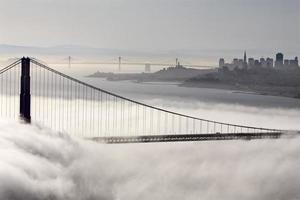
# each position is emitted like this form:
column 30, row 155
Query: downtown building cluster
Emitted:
column 280, row 63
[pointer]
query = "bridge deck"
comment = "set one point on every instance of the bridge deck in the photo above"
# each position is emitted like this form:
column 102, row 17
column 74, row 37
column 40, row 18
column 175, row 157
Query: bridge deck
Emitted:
column 186, row 137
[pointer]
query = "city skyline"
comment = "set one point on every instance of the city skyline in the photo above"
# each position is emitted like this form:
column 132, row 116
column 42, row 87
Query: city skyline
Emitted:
column 280, row 62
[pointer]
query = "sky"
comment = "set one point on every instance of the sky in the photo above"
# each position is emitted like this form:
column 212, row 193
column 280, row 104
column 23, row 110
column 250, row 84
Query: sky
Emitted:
column 153, row 24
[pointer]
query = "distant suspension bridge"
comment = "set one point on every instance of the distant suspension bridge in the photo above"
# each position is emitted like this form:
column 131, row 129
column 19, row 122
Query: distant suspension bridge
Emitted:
column 39, row 94
column 122, row 61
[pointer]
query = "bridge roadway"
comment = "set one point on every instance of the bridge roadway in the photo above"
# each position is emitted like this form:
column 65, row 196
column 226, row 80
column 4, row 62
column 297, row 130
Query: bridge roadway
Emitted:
column 187, row 137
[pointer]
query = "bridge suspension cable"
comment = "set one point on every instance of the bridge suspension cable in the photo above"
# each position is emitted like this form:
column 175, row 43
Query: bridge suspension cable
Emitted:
column 10, row 90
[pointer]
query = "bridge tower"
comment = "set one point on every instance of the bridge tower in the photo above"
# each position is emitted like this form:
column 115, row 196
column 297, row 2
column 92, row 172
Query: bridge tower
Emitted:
column 69, row 61
column 25, row 90
column 120, row 63
column 147, row 67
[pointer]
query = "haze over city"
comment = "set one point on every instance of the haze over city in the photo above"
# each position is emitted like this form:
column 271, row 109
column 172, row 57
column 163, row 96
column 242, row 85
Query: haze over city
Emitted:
column 270, row 25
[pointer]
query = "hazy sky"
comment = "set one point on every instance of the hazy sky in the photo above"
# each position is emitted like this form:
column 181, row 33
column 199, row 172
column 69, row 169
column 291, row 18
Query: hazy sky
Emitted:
column 153, row 24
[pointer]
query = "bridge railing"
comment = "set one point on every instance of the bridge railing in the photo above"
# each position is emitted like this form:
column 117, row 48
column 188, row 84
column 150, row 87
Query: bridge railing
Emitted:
column 66, row 104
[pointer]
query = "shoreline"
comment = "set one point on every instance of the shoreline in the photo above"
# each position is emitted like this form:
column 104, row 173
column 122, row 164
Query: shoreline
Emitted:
column 288, row 92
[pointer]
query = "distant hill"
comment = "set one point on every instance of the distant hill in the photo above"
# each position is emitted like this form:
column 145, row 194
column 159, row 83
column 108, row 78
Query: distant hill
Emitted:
column 177, row 73
column 180, row 73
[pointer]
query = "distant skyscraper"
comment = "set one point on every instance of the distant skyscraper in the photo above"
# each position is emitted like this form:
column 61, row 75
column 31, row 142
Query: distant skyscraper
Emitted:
column 241, row 63
column 245, row 57
column 294, row 63
column 235, row 62
column 263, row 62
column 221, row 62
column 279, row 57
column 256, row 63
column 279, row 60
column 270, row 62
column 250, row 62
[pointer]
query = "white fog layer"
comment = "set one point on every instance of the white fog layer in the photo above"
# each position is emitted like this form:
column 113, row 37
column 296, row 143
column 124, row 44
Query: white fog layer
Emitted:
column 39, row 164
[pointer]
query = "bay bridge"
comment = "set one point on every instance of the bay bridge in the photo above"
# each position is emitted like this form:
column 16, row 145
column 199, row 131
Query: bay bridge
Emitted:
column 124, row 61
column 38, row 94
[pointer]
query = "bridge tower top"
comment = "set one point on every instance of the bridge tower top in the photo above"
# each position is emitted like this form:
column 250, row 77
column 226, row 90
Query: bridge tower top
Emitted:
column 120, row 63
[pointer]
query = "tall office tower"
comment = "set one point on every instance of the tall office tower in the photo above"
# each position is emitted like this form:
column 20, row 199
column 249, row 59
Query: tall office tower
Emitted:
column 279, row 60
column 286, row 62
column 270, row 62
column 221, row 62
column 294, row 63
column 251, row 62
column 263, row 62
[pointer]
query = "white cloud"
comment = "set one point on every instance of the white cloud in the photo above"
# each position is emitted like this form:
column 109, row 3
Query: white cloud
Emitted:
column 39, row 164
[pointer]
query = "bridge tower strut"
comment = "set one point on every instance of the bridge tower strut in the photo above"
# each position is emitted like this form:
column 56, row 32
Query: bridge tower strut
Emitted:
column 25, row 90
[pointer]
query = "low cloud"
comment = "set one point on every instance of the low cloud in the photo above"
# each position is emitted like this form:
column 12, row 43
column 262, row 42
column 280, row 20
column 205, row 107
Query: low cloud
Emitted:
column 36, row 163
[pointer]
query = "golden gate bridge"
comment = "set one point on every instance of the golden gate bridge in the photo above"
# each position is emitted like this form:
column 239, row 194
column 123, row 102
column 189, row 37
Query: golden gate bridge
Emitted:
column 38, row 94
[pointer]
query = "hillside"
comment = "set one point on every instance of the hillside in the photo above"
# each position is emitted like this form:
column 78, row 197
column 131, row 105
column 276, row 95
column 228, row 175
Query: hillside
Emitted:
column 178, row 73
column 260, row 80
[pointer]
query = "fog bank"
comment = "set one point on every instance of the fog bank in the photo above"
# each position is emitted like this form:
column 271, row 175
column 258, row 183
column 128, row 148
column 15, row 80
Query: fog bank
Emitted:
column 36, row 163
